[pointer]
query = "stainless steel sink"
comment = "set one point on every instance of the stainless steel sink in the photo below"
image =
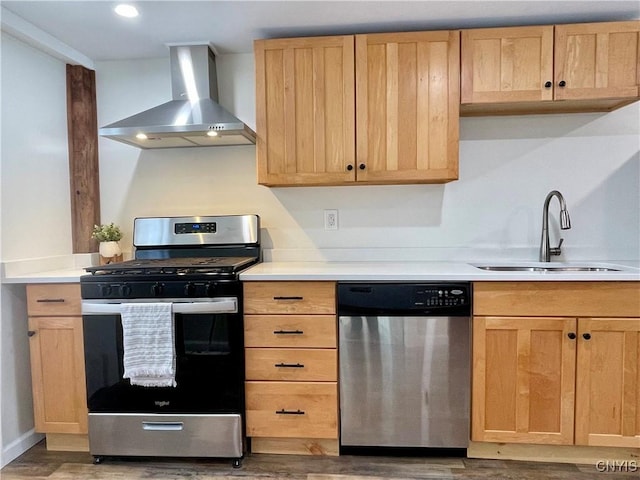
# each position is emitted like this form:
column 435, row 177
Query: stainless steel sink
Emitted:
column 522, row 268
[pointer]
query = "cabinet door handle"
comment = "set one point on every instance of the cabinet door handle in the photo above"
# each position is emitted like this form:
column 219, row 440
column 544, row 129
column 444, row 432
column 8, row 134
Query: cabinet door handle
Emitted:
column 288, row 332
column 547, row 85
column 289, row 298
column 571, row 335
column 362, row 166
column 289, row 365
column 50, row 300
column 31, row 333
column 562, row 83
column 290, row 412
column 349, row 167
column 586, row 336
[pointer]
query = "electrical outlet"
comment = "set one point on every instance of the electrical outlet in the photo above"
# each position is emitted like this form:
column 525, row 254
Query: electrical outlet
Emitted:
column 331, row 219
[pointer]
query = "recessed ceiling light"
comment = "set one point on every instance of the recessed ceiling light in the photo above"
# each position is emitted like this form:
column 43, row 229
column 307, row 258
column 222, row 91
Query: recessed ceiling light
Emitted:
column 141, row 136
column 125, row 10
column 212, row 133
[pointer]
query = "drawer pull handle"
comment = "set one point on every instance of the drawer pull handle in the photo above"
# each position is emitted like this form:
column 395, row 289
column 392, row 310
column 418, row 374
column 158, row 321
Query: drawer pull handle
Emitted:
column 163, row 426
column 289, row 365
column 50, row 300
column 289, row 298
column 289, row 412
column 288, row 332
column 31, row 333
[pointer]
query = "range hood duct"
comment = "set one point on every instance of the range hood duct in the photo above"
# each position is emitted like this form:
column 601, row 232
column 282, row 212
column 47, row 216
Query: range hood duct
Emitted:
column 193, row 118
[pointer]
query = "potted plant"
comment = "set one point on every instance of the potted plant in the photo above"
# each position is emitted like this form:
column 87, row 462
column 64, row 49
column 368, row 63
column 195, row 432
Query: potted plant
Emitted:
column 108, row 235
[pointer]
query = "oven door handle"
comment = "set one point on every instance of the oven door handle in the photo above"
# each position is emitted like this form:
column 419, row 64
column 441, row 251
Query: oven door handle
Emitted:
column 226, row 305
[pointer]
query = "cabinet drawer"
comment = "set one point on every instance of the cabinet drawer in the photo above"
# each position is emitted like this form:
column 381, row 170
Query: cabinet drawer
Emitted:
column 290, row 297
column 548, row 299
column 307, row 331
column 54, row 299
column 294, row 409
column 297, row 364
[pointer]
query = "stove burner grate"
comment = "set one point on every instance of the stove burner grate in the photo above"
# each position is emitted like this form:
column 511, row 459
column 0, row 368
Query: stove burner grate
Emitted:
column 174, row 266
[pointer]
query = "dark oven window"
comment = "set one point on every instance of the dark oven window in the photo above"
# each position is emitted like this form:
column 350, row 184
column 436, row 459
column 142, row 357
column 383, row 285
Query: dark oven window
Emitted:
column 209, row 367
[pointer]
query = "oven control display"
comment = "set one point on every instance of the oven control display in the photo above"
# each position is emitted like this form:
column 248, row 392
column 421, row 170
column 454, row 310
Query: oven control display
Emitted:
column 208, row 227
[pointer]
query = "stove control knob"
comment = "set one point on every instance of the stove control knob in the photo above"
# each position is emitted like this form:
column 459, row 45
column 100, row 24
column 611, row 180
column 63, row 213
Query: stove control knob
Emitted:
column 125, row 290
column 105, row 290
column 190, row 289
column 157, row 289
column 211, row 289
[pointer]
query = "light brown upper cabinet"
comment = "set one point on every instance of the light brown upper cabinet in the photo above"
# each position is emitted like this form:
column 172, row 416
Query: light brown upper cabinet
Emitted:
column 370, row 109
column 546, row 69
column 407, row 107
column 597, row 60
column 305, row 117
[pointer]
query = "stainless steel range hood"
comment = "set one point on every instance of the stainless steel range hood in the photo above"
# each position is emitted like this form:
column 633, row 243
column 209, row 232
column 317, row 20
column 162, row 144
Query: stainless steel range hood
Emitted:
column 193, row 118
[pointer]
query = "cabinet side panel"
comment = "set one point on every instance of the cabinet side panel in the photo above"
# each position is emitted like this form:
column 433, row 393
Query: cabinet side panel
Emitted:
column 377, row 107
column 545, row 381
column 501, row 379
column 333, row 123
column 438, row 105
column 274, row 91
column 622, row 55
column 581, row 61
column 407, row 106
column 57, row 345
column 304, row 127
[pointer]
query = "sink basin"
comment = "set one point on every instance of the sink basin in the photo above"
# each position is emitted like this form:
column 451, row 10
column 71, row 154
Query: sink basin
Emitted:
column 523, row 268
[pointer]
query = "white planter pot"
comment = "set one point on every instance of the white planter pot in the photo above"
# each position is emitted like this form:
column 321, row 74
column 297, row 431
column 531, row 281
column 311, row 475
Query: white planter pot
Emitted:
column 109, row 249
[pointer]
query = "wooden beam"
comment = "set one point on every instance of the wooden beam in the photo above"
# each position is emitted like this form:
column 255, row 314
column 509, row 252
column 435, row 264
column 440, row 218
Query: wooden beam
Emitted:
column 83, row 157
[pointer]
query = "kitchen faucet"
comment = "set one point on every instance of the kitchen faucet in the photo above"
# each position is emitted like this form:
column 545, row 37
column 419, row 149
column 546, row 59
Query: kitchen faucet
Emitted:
column 565, row 224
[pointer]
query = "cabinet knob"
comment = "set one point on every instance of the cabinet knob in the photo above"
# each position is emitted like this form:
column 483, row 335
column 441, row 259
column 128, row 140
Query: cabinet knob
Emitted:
column 362, row 166
column 562, row 83
column 586, row 336
column 547, row 85
column 571, row 335
column 349, row 167
column 31, row 333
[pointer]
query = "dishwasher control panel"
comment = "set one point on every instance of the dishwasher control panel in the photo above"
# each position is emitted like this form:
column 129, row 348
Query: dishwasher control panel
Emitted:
column 439, row 296
column 404, row 298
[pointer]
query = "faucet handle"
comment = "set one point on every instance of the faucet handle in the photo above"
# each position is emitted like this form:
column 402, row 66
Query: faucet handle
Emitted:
column 557, row 250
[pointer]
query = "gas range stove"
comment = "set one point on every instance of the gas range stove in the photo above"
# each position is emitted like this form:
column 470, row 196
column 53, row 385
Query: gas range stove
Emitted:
column 179, row 257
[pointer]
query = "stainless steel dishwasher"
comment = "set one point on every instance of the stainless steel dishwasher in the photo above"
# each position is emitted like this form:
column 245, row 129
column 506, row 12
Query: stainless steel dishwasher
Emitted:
column 404, row 364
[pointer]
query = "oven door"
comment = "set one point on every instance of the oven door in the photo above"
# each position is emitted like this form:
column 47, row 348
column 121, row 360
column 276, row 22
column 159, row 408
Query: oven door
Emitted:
column 209, row 360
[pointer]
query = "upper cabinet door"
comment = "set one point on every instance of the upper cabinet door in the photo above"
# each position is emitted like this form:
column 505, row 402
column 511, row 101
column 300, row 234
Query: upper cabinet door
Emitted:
column 512, row 64
column 597, row 60
column 407, row 107
column 305, row 110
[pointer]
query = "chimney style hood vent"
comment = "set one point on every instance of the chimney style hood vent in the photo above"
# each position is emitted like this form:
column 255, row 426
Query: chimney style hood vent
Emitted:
column 193, row 118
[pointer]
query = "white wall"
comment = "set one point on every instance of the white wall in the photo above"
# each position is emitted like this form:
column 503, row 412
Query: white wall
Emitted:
column 35, row 163
column 507, row 166
column 35, row 218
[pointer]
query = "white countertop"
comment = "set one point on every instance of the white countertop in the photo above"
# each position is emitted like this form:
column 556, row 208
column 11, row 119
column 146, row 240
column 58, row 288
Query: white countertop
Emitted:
column 431, row 271
column 59, row 269
column 68, row 269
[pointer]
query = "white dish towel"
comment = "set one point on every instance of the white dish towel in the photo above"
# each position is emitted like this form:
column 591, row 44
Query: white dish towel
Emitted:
column 149, row 347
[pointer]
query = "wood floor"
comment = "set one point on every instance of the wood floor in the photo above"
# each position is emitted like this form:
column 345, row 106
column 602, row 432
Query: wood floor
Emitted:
column 40, row 464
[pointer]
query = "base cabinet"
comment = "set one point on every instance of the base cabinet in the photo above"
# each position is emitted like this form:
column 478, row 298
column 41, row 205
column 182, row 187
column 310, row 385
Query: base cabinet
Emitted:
column 523, row 379
column 608, row 382
column 57, row 359
column 570, row 380
column 291, row 364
